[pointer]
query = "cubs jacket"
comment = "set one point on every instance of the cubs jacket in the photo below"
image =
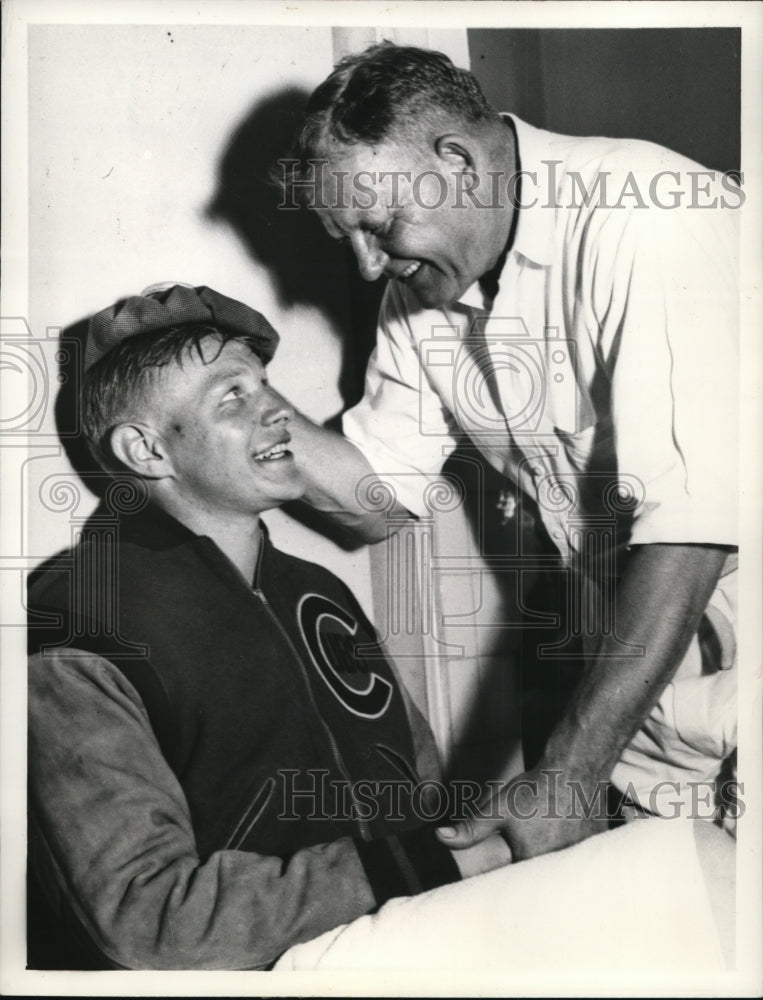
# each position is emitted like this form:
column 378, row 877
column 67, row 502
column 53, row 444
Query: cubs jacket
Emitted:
column 218, row 768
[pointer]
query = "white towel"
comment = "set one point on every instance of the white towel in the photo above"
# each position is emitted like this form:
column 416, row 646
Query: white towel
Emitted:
column 631, row 899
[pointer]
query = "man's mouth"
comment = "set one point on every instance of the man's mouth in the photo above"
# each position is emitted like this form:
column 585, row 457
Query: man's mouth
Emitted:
column 277, row 451
column 409, row 271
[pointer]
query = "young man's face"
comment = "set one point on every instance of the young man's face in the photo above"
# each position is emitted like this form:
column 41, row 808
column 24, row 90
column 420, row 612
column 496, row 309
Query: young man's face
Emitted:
column 226, row 432
column 422, row 230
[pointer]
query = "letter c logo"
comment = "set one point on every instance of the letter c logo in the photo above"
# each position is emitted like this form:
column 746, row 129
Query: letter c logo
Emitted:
column 372, row 701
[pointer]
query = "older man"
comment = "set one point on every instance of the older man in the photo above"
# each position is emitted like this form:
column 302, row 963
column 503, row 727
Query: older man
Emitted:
column 569, row 306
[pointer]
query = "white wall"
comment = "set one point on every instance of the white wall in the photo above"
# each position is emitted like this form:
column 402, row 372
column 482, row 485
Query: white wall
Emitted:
column 127, row 125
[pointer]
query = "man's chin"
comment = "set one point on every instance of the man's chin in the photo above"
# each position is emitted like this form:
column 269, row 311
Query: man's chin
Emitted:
column 438, row 294
column 295, row 491
column 285, row 498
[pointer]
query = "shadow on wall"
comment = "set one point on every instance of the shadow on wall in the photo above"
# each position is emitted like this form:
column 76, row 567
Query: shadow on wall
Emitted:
column 73, row 341
column 67, row 410
column 305, row 266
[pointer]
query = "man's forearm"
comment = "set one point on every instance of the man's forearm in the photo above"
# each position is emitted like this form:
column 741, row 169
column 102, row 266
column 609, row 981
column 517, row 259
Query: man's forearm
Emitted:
column 660, row 600
column 340, row 481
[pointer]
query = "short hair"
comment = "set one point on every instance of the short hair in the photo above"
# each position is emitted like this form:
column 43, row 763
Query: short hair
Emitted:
column 382, row 93
column 118, row 386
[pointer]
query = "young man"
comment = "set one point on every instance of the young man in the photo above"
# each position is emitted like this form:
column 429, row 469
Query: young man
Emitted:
column 203, row 722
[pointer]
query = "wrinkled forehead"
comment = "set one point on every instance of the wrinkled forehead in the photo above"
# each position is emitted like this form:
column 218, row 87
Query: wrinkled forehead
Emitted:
column 358, row 175
column 367, row 189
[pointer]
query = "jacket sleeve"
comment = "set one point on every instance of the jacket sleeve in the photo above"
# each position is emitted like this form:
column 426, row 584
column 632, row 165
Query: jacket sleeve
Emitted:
column 113, row 831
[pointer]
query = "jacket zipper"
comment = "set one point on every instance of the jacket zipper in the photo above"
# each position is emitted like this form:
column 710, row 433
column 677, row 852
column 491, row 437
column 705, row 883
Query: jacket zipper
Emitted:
column 338, row 760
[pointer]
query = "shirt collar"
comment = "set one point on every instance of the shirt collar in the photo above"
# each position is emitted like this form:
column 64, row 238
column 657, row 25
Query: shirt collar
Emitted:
column 534, row 236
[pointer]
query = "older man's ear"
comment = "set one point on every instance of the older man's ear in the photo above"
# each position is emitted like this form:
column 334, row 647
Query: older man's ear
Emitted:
column 453, row 149
column 141, row 449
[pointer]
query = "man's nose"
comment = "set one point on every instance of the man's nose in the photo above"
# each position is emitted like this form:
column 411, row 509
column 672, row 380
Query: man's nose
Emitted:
column 275, row 409
column 371, row 258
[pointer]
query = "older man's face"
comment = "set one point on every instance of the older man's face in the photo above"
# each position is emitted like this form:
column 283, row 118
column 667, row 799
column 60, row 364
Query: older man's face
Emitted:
column 408, row 216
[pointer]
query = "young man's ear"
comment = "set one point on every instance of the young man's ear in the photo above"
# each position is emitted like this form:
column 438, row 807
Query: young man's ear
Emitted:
column 454, row 150
column 141, row 449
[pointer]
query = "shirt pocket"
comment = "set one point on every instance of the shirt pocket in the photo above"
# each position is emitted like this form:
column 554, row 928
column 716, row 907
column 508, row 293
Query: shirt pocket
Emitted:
column 592, row 448
column 578, row 446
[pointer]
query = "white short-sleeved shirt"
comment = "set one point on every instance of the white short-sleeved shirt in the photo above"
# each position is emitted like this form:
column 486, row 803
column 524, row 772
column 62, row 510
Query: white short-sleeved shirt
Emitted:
column 603, row 379
column 604, row 372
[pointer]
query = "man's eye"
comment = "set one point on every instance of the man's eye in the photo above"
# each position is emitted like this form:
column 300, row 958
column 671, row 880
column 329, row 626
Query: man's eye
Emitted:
column 383, row 232
column 235, row 392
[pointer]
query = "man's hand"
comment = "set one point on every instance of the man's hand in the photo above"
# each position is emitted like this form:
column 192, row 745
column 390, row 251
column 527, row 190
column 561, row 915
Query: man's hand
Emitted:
column 487, row 855
column 660, row 599
column 337, row 477
column 537, row 812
